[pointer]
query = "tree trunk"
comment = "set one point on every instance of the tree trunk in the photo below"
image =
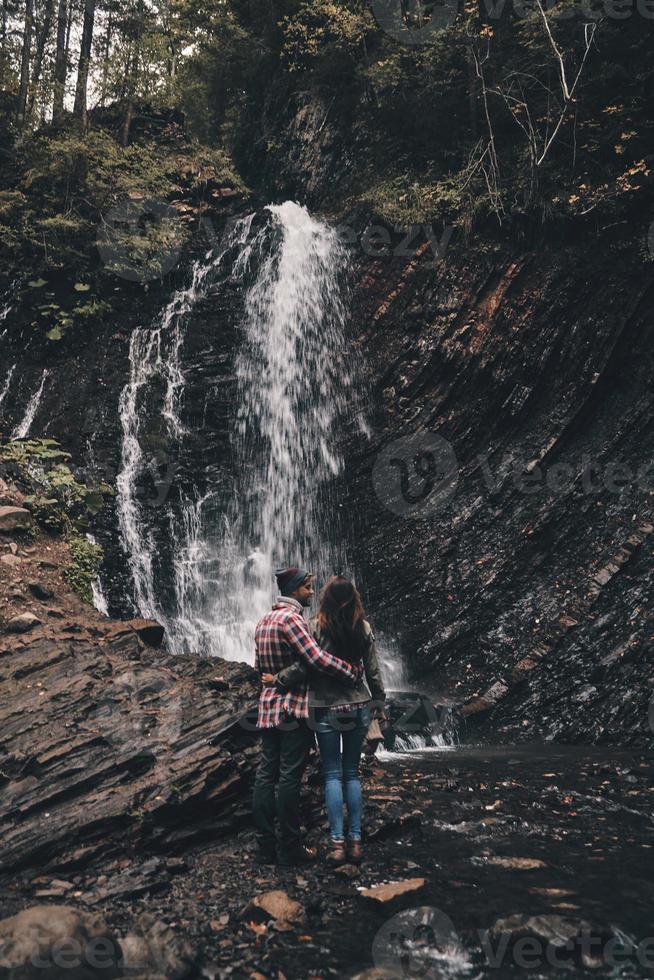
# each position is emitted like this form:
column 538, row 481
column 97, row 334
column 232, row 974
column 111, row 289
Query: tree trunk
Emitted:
column 40, row 49
column 60, row 62
column 25, row 64
column 79, row 109
column 3, row 35
column 105, row 61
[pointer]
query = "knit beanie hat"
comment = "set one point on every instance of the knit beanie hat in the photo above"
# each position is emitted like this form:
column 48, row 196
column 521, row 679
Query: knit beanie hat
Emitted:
column 290, row 579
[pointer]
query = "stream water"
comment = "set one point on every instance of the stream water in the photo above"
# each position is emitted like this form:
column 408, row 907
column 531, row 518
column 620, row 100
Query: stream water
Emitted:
column 556, row 835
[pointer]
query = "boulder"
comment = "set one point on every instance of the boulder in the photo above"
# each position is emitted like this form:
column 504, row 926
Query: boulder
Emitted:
column 148, row 630
column 393, row 892
column 147, row 752
column 14, row 519
column 22, row 623
column 275, row 905
column 39, row 591
column 57, row 942
column 556, row 929
column 13, row 561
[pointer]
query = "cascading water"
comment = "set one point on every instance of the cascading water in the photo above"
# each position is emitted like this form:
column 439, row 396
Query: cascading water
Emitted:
column 23, row 428
column 292, row 385
column 7, row 301
column 154, row 359
column 7, row 385
column 292, row 388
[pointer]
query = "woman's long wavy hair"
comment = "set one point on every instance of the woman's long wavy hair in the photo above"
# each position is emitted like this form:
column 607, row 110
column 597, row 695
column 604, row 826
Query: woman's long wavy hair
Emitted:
column 341, row 618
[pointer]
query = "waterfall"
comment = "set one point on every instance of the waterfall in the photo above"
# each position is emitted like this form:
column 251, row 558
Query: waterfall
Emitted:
column 7, row 384
column 292, row 387
column 155, row 371
column 22, row 429
column 99, row 598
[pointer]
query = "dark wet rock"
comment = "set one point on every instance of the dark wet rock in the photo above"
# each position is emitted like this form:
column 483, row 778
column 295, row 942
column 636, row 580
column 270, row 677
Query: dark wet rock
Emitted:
column 393, row 821
column 557, row 929
column 39, row 590
column 147, row 630
column 144, row 877
column 503, row 596
column 14, row 519
column 22, row 623
column 58, row 941
column 110, row 745
column 534, row 939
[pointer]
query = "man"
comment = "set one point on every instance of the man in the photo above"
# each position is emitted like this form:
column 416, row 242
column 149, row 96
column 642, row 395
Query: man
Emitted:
column 281, row 637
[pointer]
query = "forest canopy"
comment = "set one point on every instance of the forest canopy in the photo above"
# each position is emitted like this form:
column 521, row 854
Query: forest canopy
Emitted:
column 500, row 110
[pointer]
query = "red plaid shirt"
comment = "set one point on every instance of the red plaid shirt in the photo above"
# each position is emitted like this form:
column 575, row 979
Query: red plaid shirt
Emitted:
column 281, row 637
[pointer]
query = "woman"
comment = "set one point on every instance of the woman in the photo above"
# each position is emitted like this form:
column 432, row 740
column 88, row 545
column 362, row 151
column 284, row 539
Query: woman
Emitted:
column 342, row 713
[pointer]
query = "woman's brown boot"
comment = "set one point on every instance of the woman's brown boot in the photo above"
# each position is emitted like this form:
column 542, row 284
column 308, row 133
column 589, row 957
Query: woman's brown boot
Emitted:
column 354, row 851
column 337, row 854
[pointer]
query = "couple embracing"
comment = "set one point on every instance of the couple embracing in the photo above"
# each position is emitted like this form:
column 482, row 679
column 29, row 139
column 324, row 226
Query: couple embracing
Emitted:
column 318, row 680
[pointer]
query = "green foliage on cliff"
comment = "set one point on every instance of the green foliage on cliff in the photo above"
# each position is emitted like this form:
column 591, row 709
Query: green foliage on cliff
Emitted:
column 511, row 110
column 57, row 500
column 515, row 110
column 64, row 185
column 83, row 568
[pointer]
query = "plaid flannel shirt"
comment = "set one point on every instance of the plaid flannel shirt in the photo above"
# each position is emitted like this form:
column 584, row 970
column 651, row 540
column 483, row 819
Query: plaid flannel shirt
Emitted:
column 280, row 638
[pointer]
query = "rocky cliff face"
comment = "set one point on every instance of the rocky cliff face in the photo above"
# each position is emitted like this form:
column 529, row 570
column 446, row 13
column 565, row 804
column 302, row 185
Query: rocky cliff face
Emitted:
column 525, row 590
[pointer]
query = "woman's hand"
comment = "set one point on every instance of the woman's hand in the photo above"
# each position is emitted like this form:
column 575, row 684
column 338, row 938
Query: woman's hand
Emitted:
column 268, row 680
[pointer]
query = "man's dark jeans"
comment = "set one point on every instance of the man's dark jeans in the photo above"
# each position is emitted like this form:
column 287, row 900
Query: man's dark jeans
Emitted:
column 284, row 756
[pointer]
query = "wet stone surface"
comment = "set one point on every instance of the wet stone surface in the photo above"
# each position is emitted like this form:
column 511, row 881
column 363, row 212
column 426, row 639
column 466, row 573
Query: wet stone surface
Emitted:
column 528, row 845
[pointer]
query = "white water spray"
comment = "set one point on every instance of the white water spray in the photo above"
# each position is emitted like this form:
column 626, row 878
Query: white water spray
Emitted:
column 155, row 356
column 292, row 388
column 7, row 384
column 23, row 428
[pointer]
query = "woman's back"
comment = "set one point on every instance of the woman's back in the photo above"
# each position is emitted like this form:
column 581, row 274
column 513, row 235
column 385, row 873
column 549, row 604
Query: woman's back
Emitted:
column 326, row 690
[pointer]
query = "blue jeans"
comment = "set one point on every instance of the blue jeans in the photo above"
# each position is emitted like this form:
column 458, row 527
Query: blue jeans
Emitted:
column 340, row 739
